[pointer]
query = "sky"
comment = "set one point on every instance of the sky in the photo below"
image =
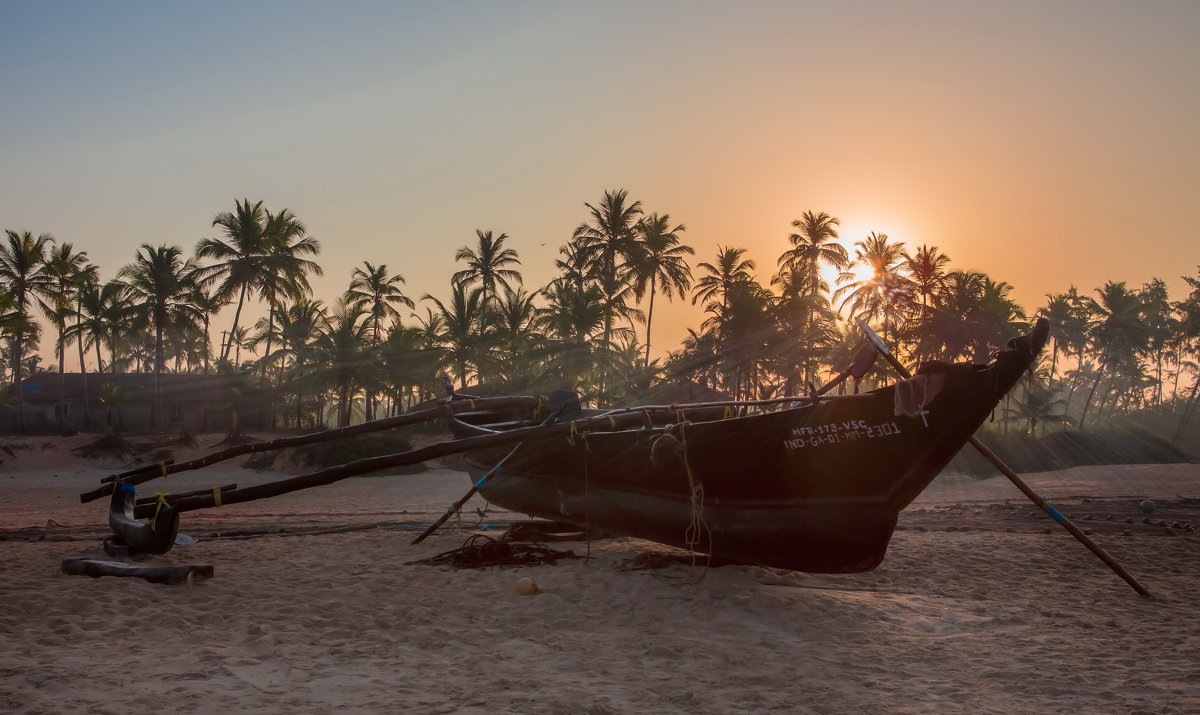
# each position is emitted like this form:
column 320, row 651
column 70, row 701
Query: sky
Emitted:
column 1046, row 144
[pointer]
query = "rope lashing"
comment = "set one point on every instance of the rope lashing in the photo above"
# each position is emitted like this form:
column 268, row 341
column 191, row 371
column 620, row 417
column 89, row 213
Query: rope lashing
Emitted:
column 696, row 522
column 216, row 496
column 162, row 467
column 574, row 433
column 728, row 412
column 162, row 501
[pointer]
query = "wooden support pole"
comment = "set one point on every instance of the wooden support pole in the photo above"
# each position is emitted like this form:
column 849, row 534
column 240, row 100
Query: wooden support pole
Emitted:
column 1017, row 481
column 457, row 506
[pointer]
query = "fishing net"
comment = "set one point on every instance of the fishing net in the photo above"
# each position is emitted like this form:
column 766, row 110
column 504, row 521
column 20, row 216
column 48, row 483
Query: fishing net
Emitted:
column 482, row 551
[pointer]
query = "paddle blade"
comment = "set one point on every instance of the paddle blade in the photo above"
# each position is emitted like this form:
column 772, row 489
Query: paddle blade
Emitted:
column 864, row 360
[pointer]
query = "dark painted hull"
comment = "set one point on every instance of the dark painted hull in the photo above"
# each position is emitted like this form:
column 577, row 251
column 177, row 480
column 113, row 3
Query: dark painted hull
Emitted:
column 816, row 488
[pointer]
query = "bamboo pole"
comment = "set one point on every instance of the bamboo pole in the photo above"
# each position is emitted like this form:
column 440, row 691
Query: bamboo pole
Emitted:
column 1017, row 481
column 457, row 506
column 154, row 471
column 413, row 456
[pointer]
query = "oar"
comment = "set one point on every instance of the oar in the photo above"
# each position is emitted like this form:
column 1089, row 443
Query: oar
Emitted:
column 1007, row 471
column 456, row 506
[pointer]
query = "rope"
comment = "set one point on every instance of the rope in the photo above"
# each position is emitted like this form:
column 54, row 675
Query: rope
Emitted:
column 696, row 522
column 216, row 496
column 162, row 501
column 587, row 505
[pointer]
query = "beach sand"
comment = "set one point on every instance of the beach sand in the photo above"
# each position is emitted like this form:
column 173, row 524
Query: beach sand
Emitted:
column 975, row 609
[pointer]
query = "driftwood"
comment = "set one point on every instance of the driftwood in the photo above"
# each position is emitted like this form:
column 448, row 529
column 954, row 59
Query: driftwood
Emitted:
column 154, row 471
column 402, row 459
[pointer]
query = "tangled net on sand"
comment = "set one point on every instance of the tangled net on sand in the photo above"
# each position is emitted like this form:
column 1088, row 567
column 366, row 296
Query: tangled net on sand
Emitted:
column 482, row 551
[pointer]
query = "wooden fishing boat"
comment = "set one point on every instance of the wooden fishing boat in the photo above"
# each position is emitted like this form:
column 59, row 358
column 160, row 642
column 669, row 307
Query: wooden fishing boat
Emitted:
column 815, row 484
column 810, row 483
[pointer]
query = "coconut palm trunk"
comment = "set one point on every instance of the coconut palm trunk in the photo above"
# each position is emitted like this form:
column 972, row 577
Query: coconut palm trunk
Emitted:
column 237, row 314
column 650, row 318
column 1092, row 393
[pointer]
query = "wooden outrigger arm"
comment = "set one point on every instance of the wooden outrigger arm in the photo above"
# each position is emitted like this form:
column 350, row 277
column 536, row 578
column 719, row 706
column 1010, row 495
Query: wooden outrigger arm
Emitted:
column 208, row 500
column 162, row 469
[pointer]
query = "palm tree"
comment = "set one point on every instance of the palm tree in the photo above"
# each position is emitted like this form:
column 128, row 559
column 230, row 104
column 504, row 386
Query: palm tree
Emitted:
column 1162, row 327
column 813, row 243
column 22, row 270
column 487, row 265
column 659, row 260
column 64, row 266
column 606, row 242
column 299, row 327
column 516, row 337
column 886, row 291
column 999, row 318
column 574, row 321
column 408, row 363
column 724, row 275
column 460, row 333
column 164, row 281
column 926, row 269
column 1058, row 312
column 372, row 288
column 1039, row 405
column 13, row 321
column 1119, row 335
column 207, row 303
column 950, row 330
column 262, row 253
column 344, row 350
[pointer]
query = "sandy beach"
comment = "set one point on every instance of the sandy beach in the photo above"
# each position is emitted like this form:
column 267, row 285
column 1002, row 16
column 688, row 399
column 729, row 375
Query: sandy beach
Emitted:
column 982, row 605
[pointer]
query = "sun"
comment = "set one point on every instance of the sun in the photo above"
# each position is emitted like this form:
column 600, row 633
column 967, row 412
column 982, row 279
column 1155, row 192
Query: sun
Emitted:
column 858, row 272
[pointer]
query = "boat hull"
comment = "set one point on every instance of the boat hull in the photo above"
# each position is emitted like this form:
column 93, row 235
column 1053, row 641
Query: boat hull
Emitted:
column 813, row 488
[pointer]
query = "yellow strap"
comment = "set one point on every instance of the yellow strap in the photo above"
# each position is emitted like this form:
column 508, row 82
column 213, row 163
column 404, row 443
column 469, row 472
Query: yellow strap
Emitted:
column 162, row 501
column 728, row 412
column 216, row 496
column 574, row 433
column 612, row 422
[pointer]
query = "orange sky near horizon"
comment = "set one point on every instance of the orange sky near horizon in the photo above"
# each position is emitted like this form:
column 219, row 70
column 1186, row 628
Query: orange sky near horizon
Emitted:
column 1048, row 145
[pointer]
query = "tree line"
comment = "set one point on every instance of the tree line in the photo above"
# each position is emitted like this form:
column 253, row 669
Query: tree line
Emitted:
column 374, row 350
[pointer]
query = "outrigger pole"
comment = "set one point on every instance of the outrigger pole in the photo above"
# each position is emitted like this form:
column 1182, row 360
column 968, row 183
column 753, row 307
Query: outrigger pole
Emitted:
column 162, row 469
column 208, row 500
column 1007, row 471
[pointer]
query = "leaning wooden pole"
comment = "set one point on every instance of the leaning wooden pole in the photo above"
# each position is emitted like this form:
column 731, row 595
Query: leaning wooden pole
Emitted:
column 403, row 459
column 1016, row 480
column 457, row 506
column 154, row 471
